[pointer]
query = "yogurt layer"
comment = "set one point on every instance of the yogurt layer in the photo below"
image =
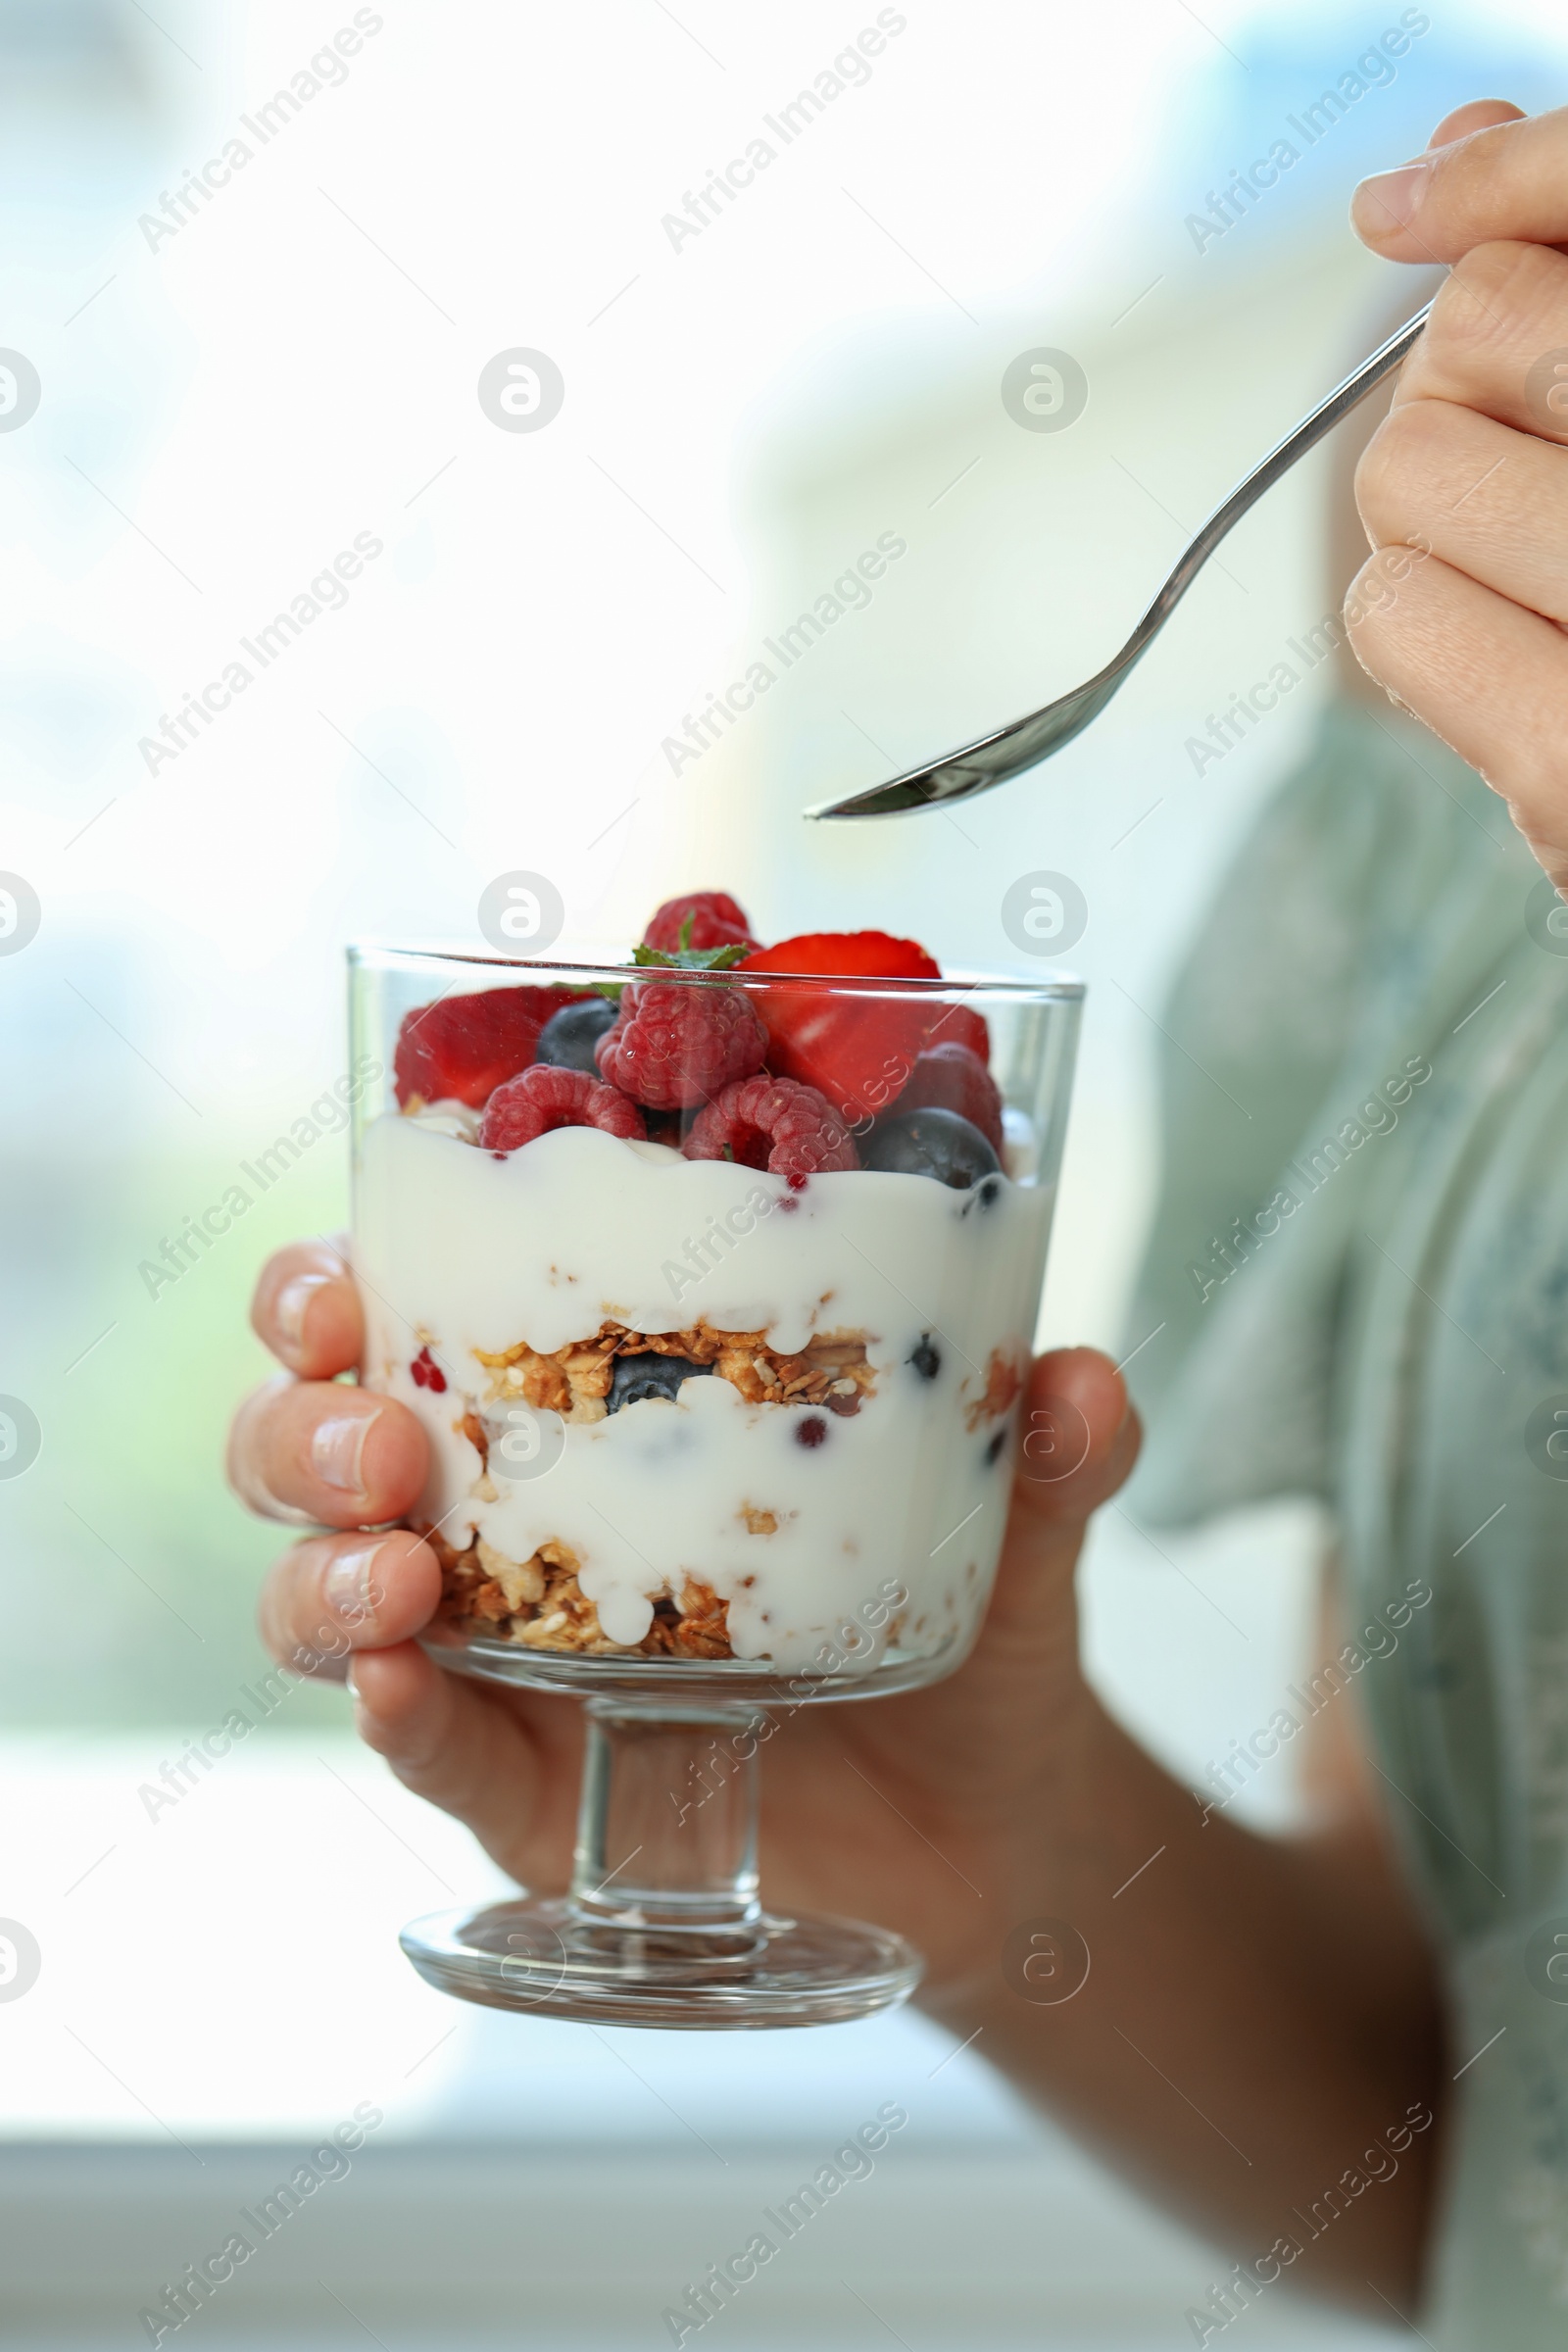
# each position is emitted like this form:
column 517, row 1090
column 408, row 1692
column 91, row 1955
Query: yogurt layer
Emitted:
column 459, row 1250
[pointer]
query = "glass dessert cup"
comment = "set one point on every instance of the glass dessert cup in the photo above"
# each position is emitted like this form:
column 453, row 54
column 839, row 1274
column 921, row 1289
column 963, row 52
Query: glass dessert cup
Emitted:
column 710, row 1440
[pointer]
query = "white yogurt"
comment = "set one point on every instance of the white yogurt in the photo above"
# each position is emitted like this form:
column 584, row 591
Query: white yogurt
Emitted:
column 460, row 1250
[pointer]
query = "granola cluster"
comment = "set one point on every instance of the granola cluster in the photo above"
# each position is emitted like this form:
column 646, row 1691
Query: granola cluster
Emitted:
column 831, row 1370
column 540, row 1603
column 1004, row 1380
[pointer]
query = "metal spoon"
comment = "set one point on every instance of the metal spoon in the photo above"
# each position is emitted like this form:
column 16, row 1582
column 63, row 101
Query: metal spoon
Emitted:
column 998, row 757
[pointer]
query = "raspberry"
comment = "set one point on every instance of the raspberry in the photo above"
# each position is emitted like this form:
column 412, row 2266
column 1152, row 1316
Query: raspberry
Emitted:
column 676, row 1043
column 952, row 1078
column 717, row 922
column 545, row 1097
column 460, row 1048
column 773, row 1123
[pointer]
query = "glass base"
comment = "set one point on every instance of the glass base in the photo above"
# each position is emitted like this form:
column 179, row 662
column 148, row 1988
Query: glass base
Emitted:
column 540, row 1953
column 725, row 1682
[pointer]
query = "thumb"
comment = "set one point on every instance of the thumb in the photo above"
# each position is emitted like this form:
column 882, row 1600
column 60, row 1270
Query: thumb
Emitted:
column 1490, row 173
column 1080, row 1439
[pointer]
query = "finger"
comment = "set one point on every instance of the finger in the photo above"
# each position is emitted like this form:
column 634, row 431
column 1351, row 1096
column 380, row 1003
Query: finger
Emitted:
column 1495, row 340
column 307, row 1310
column 504, row 1764
column 334, row 1595
column 1080, row 1437
column 1440, row 481
column 1476, row 114
column 1488, row 677
column 322, row 1451
column 1506, row 181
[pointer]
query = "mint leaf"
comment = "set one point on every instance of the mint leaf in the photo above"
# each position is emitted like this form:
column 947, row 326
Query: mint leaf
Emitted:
column 693, row 960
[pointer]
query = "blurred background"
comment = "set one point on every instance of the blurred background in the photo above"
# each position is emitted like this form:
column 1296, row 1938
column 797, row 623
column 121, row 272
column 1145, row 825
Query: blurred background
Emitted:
column 254, row 265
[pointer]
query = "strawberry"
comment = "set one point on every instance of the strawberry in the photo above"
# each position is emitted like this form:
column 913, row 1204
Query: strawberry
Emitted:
column 960, row 1025
column 460, row 1048
column 848, row 956
column 858, row 1050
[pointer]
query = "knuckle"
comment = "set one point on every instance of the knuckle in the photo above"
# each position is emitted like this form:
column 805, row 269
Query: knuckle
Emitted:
column 1410, row 447
column 1466, row 183
column 1496, row 296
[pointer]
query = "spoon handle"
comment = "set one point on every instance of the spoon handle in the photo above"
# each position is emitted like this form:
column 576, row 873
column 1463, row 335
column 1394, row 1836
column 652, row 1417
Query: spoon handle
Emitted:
column 1006, row 752
column 1281, row 457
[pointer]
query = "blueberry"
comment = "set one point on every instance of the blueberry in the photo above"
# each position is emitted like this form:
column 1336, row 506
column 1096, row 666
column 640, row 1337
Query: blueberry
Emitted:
column 926, row 1358
column 930, row 1142
column 994, row 1449
column 637, row 1378
column 570, row 1036
column 987, row 1191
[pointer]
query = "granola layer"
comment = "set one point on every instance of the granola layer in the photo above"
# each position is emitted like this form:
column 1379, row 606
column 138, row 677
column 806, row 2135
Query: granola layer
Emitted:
column 540, row 1603
column 574, row 1380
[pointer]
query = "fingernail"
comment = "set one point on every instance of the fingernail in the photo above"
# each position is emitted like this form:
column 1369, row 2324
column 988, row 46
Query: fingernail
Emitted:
column 1390, row 199
column 349, row 1586
column 292, row 1304
column 337, row 1450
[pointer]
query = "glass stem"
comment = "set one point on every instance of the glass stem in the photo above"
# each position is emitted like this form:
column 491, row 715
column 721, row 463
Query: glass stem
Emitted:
column 667, row 1835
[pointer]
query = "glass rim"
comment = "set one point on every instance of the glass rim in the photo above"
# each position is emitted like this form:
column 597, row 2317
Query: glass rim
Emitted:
column 1059, row 988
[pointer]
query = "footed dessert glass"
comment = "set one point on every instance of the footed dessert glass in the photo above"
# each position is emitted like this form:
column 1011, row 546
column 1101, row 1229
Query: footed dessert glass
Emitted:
column 722, row 1396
